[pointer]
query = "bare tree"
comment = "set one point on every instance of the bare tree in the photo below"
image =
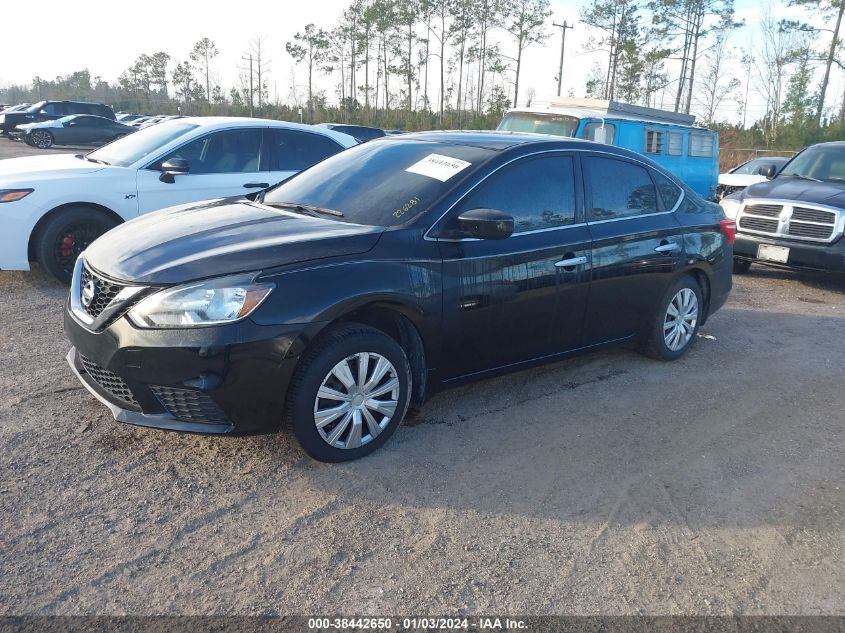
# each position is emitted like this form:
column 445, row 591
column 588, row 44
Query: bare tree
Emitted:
column 715, row 85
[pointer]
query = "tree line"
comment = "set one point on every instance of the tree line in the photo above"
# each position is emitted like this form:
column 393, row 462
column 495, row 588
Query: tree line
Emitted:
column 422, row 64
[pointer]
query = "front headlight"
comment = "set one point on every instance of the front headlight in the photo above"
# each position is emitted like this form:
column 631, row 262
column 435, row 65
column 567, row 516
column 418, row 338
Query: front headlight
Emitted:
column 730, row 206
column 13, row 195
column 211, row 302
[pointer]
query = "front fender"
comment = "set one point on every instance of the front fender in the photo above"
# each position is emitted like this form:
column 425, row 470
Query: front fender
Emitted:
column 318, row 296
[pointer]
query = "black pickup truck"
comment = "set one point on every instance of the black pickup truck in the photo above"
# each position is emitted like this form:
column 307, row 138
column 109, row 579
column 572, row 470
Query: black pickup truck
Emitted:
column 797, row 218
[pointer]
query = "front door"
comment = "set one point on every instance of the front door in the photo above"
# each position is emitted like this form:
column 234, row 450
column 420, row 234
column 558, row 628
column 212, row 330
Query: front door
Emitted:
column 221, row 164
column 513, row 300
column 638, row 245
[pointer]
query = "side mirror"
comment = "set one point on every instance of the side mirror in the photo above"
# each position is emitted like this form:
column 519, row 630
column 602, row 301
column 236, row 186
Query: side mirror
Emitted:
column 172, row 168
column 484, row 224
column 768, row 171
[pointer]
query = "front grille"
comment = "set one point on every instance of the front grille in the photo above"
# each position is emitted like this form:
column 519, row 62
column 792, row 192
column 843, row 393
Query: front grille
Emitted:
column 758, row 224
column 104, row 291
column 110, row 382
column 813, row 215
column 190, row 405
column 816, row 231
column 768, row 210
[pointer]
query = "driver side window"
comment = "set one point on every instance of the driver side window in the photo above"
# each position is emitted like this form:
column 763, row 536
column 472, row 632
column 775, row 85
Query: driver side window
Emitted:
column 539, row 193
column 228, row 152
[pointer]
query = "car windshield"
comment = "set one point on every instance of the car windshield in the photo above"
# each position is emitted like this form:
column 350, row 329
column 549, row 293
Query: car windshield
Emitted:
column 134, row 147
column 554, row 124
column 822, row 162
column 36, row 107
column 381, row 183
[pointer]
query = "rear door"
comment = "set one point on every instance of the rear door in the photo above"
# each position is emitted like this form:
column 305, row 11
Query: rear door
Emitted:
column 524, row 297
column 223, row 163
column 638, row 244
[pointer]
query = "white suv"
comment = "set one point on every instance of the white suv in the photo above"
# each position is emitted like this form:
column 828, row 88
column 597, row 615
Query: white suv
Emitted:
column 53, row 207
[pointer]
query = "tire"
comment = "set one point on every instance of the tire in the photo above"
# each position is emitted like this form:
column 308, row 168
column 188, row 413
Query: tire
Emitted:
column 65, row 235
column 684, row 296
column 320, row 371
column 42, row 139
column 741, row 266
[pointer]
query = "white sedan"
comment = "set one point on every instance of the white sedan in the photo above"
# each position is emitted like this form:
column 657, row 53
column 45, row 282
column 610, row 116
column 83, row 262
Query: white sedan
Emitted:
column 53, row 207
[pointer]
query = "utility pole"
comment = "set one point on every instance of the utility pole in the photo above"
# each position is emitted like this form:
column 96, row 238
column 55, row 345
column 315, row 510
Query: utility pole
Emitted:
column 251, row 101
column 562, row 28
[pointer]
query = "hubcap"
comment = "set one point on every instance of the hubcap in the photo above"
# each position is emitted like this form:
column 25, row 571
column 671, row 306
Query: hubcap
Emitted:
column 356, row 400
column 680, row 320
column 40, row 139
column 73, row 241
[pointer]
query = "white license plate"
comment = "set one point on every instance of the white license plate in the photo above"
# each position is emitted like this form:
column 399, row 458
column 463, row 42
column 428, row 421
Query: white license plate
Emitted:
column 773, row 253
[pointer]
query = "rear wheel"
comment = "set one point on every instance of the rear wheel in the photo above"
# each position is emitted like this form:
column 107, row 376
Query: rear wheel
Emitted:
column 349, row 394
column 741, row 266
column 65, row 236
column 677, row 321
column 42, row 139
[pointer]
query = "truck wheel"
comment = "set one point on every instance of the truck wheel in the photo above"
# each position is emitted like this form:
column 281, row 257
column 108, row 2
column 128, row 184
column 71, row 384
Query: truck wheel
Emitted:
column 741, row 266
column 677, row 320
column 65, row 235
column 42, row 139
column 349, row 394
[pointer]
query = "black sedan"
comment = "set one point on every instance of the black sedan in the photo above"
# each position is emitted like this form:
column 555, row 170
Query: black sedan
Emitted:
column 333, row 303
column 77, row 129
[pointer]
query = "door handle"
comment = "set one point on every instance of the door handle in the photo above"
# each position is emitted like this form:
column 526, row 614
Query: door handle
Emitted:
column 571, row 262
column 256, row 185
column 669, row 247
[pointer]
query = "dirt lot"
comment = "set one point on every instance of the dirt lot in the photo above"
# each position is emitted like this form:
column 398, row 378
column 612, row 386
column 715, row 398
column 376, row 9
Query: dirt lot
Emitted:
column 606, row 484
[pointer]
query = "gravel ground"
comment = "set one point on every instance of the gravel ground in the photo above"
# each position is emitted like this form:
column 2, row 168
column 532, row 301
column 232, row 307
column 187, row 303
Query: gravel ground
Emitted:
column 607, row 484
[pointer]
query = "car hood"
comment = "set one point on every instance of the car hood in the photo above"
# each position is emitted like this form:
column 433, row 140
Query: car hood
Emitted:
column 740, row 180
column 40, row 124
column 220, row 237
column 786, row 188
column 29, row 169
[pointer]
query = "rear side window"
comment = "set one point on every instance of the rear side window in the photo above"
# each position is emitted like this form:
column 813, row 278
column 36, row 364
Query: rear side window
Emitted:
column 295, row 151
column 539, row 193
column 674, row 144
column 632, row 192
column 653, row 142
column 55, row 109
column 668, row 191
column 700, row 144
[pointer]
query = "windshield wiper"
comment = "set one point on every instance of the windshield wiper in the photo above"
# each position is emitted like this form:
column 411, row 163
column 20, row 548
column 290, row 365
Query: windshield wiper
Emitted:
column 306, row 209
column 802, row 177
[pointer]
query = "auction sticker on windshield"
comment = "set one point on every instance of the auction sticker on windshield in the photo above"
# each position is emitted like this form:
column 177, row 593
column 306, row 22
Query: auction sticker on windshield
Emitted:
column 437, row 166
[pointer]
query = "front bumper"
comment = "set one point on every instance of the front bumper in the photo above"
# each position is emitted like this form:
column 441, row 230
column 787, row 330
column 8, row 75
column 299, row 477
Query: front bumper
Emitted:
column 223, row 379
column 814, row 256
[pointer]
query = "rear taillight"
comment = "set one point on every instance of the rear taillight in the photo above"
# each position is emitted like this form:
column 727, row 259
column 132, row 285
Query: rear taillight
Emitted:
column 728, row 228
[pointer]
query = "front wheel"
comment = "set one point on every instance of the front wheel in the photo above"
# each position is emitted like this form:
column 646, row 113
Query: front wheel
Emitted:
column 349, row 394
column 42, row 139
column 677, row 321
column 65, row 236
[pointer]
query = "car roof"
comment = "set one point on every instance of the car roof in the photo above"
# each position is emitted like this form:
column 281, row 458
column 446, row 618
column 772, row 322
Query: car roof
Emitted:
column 215, row 122
column 501, row 141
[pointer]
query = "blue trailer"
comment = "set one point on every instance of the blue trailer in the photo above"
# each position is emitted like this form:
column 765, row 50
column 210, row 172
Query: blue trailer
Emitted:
column 670, row 139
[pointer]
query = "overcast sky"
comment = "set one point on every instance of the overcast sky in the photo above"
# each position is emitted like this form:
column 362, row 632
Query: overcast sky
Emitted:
column 106, row 36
